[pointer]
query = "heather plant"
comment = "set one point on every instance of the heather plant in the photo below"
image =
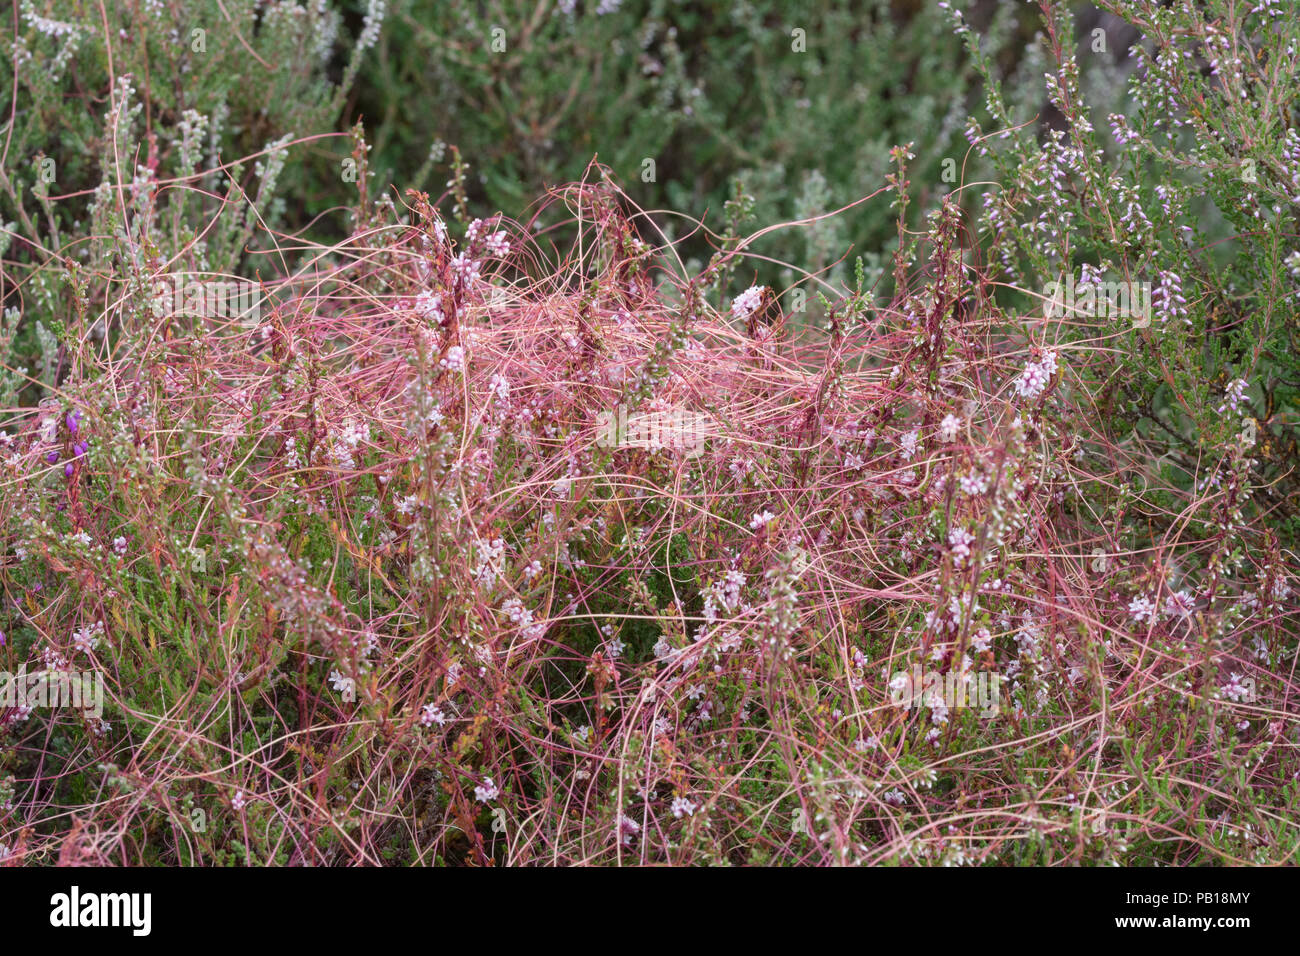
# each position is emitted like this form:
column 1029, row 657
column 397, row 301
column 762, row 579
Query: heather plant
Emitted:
column 480, row 540
column 120, row 152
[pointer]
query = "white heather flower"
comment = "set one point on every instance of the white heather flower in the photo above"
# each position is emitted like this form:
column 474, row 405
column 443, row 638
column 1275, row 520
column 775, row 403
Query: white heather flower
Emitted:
column 375, row 11
column 119, row 544
column 743, row 306
column 86, row 639
column 1142, row 608
column 238, row 801
column 346, row 685
column 486, row 791
column 454, row 359
column 429, row 306
column 973, row 484
column 533, row 569
column 682, row 806
column 432, row 714
column 760, row 519
column 949, row 427
column 982, row 640
column 908, row 442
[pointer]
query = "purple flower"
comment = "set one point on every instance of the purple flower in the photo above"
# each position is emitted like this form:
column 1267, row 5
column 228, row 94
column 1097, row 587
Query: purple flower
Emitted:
column 80, row 448
column 52, row 457
column 73, row 418
column 67, row 469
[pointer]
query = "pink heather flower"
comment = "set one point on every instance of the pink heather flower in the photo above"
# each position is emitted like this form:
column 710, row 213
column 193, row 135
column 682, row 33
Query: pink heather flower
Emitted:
column 681, row 806
column 487, row 791
column 1142, row 608
column 973, row 484
column 626, row 829
column 432, row 714
column 516, row 611
column 1235, row 690
column 1234, row 394
column 238, row 801
column 760, row 519
column 949, row 427
column 1180, row 604
column 743, row 306
column 960, row 540
column 465, row 267
column 1032, row 381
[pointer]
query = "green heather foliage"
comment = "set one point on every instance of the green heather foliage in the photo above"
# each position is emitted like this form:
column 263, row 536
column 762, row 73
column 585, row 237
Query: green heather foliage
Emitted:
column 419, row 491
